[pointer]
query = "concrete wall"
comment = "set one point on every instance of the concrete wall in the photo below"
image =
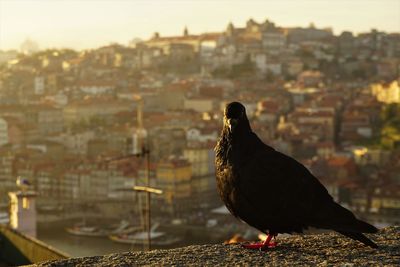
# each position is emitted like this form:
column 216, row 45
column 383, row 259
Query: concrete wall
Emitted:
column 18, row 249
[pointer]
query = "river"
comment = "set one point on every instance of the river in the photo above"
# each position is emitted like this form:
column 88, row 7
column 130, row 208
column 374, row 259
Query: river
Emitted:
column 55, row 235
column 79, row 246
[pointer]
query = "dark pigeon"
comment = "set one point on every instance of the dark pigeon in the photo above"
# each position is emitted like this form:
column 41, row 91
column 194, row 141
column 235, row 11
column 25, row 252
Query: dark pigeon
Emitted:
column 273, row 192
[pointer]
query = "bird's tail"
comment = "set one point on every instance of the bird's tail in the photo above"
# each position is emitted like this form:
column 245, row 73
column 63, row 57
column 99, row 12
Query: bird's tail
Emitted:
column 360, row 237
column 343, row 221
column 352, row 224
column 335, row 217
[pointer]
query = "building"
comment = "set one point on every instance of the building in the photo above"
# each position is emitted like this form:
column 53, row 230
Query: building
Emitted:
column 315, row 121
column 196, row 135
column 355, row 126
column 96, row 87
column 15, row 132
column 48, row 119
column 74, row 142
column 3, row 132
column 83, row 111
column 39, row 85
column 173, row 96
column 346, row 44
column 310, row 78
column 342, row 168
column 293, row 67
column 200, row 104
column 77, row 186
column 201, row 156
column 273, row 39
column 203, row 183
column 174, row 178
column 325, row 149
column 385, row 201
column 298, row 35
column 7, row 178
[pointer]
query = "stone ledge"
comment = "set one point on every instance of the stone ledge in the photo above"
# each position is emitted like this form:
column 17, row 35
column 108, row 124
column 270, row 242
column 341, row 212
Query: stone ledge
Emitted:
column 317, row 249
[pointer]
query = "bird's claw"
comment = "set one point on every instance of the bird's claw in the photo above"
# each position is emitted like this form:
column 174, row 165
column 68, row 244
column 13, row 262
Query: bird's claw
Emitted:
column 260, row 245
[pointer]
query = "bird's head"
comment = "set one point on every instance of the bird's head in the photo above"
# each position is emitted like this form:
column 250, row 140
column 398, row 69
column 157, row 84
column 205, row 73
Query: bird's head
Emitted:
column 235, row 117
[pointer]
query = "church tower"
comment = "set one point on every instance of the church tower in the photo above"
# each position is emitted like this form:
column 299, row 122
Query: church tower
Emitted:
column 185, row 32
column 230, row 30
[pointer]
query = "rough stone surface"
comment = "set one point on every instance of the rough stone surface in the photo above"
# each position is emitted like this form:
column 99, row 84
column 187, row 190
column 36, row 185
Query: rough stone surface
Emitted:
column 307, row 250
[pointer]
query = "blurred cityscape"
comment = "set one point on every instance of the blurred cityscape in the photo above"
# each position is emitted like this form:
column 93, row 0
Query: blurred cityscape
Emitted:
column 73, row 123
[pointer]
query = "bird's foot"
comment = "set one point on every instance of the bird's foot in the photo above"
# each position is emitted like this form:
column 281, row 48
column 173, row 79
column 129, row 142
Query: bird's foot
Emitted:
column 260, row 245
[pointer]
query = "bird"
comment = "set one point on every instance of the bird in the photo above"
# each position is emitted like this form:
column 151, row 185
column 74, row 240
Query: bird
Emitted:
column 272, row 191
column 22, row 183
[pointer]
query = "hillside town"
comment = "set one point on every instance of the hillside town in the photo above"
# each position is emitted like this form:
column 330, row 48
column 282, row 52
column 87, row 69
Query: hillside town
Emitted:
column 74, row 123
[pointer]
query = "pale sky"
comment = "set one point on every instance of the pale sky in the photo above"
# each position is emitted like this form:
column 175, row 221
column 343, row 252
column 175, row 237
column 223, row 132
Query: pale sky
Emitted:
column 93, row 23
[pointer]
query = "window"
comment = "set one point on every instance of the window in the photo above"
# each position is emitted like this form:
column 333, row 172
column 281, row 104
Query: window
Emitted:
column 25, row 203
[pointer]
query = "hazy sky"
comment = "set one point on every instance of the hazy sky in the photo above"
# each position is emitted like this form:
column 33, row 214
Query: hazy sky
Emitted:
column 92, row 23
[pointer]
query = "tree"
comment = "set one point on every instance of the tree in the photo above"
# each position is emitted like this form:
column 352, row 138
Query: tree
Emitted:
column 390, row 112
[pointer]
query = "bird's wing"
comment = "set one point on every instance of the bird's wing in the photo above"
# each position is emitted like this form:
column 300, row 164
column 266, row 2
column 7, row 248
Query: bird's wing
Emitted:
column 281, row 189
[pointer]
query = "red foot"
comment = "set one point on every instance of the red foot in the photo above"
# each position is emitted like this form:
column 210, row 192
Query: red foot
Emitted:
column 261, row 245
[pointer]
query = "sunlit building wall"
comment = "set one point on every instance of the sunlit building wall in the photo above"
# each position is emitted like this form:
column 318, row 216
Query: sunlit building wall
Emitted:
column 173, row 177
column 199, row 104
column 3, row 132
column 202, row 159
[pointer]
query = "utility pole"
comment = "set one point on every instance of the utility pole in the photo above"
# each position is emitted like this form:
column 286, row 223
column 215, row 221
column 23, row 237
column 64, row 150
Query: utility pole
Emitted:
column 147, row 210
column 145, row 153
column 148, row 190
column 145, row 189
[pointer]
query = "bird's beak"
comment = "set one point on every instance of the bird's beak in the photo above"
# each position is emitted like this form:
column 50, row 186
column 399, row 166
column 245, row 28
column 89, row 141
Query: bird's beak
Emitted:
column 232, row 124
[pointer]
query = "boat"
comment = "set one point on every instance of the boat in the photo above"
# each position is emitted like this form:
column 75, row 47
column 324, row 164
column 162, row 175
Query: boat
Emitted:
column 87, row 231
column 4, row 218
column 121, row 227
column 83, row 230
column 50, row 209
column 140, row 238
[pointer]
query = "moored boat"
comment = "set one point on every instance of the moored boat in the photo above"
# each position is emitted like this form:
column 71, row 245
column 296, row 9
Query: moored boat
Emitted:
column 140, row 238
column 86, row 231
column 4, row 218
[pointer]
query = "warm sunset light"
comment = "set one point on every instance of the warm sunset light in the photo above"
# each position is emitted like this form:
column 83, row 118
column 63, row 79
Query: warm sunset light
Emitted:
column 87, row 24
column 199, row 132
